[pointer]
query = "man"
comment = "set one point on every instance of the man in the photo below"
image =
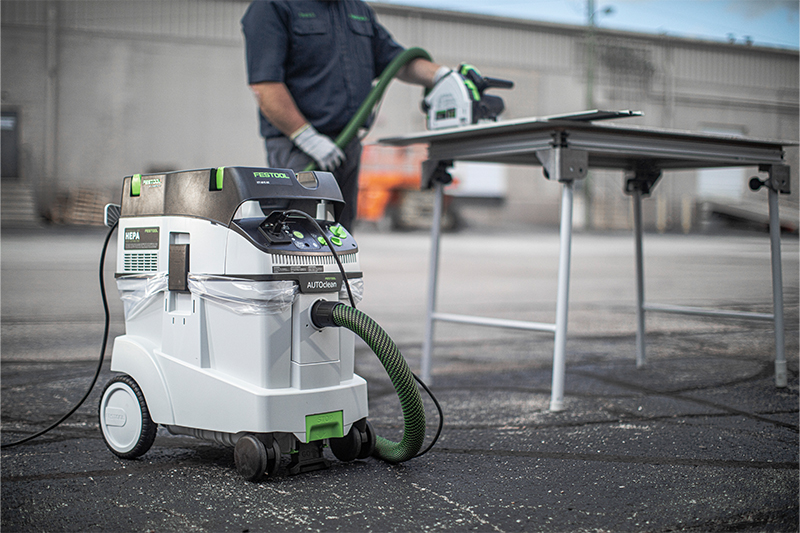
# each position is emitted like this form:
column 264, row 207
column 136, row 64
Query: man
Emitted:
column 310, row 65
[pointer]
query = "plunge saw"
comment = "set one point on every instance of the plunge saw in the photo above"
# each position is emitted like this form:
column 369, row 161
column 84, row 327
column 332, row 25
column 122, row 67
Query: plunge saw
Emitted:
column 458, row 99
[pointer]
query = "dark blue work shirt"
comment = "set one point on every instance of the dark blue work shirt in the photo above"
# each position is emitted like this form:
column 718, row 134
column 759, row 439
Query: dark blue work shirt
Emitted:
column 327, row 52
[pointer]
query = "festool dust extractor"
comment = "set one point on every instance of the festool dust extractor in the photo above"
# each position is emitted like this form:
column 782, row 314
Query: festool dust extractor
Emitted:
column 233, row 282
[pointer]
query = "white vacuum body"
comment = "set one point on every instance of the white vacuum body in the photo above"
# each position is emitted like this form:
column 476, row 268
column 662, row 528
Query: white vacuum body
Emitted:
column 219, row 342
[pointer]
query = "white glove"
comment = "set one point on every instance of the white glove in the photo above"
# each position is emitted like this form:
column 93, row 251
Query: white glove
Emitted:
column 441, row 72
column 320, row 147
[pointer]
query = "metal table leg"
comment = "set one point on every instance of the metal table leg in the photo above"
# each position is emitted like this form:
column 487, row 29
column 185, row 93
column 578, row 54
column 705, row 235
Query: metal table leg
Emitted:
column 562, row 299
column 433, row 274
column 777, row 288
column 641, row 359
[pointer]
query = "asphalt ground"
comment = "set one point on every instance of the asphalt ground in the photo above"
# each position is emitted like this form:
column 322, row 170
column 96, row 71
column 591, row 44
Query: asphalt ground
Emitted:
column 699, row 440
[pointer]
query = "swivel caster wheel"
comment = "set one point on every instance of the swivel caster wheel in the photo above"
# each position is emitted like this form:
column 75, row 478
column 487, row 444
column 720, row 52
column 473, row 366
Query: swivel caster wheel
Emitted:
column 125, row 420
column 254, row 458
column 359, row 443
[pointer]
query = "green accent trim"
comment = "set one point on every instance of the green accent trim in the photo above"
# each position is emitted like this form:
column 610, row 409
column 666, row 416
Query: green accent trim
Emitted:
column 321, row 240
column 298, row 234
column 464, row 70
column 336, row 240
column 471, row 86
column 325, row 426
column 136, row 185
column 358, row 17
column 220, row 177
column 466, row 67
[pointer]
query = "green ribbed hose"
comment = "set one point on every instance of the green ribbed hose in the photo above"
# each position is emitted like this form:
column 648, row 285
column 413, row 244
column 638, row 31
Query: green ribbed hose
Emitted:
column 374, row 95
column 402, row 380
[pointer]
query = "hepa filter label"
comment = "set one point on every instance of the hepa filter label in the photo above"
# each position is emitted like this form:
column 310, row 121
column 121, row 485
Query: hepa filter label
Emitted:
column 141, row 238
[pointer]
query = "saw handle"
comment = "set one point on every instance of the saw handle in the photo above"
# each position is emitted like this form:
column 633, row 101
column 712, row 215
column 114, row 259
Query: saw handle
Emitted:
column 498, row 83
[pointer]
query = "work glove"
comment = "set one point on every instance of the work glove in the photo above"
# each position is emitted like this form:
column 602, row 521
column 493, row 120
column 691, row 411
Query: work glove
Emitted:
column 441, row 72
column 319, row 147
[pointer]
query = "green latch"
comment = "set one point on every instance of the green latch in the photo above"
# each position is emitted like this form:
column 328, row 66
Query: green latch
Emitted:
column 136, row 185
column 220, row 176
column 325, row 426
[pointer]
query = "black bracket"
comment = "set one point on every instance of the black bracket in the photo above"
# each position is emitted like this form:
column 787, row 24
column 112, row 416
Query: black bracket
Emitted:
column 178, row 274
column 568, row 163
column 435, row 171
column 645, row 176
column 307, row 458
column 779, row 179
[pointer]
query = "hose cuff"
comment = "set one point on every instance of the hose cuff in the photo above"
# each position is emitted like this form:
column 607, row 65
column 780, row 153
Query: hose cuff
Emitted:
column 322, row 314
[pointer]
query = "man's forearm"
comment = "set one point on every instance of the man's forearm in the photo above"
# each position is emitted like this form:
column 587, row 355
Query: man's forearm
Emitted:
column 278, row 106
column 420, row 72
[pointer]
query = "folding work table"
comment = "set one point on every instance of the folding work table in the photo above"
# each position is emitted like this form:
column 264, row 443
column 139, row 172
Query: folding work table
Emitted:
column 566, row 147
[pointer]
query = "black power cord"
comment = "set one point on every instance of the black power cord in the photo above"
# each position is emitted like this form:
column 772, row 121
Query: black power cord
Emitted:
column 281, row 220
column 102, row 352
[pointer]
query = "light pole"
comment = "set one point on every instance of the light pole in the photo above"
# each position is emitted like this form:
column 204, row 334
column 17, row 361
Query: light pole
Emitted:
column 584, row 189
column 591, row 13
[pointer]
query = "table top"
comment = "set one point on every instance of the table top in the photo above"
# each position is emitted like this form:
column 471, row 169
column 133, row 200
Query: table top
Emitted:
column 610, row 146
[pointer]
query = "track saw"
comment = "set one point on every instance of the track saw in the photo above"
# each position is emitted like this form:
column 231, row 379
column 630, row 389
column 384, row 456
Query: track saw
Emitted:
column 458, row 99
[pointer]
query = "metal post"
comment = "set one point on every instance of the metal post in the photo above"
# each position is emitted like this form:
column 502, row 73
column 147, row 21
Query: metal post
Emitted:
column 433, row 274
column 562, row 298
column 637, row 223
column 777, row 288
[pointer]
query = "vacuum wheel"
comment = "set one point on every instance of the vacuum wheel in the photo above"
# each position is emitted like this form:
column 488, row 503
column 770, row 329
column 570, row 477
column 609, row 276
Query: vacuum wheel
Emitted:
column 254, row 458
column 124, row 418
column 359, row 443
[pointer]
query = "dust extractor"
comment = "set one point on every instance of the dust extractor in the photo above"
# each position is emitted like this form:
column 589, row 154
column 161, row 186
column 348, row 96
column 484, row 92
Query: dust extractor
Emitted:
column 234, row 282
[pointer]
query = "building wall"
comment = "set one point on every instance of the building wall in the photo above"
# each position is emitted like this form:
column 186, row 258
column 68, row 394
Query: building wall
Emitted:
column 107, row 88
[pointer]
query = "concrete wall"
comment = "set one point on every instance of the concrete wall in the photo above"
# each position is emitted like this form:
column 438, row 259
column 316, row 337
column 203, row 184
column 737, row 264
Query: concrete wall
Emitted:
column 105, row 89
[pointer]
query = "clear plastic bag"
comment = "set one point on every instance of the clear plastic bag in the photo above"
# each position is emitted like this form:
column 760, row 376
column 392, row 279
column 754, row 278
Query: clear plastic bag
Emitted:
column 137, row 290
column 356, row 287
column 245, row 296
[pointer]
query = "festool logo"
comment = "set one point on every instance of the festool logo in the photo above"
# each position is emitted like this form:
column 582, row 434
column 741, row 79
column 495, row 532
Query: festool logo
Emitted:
column 280, row 175
column 152, row 182
column 358, row 17
column 307, row 15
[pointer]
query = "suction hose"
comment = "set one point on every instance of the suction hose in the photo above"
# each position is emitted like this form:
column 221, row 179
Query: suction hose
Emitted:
column 325, row 314
column 351, row 129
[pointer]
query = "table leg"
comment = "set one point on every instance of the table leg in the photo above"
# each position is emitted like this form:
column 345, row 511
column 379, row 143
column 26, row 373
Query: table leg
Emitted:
column 433, row 274
column 562, row 299
column 777, row 289
column 641, row 359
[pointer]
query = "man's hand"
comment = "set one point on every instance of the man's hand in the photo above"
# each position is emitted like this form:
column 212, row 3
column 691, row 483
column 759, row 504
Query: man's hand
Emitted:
column 320, row 147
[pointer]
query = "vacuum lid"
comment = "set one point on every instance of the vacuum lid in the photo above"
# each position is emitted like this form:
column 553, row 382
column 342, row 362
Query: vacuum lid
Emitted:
column 216, row 193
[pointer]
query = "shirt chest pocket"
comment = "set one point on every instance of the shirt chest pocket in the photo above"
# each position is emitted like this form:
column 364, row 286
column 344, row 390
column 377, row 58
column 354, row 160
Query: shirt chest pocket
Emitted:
column 309, row 26
column 360, row 25
column 311, row 37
